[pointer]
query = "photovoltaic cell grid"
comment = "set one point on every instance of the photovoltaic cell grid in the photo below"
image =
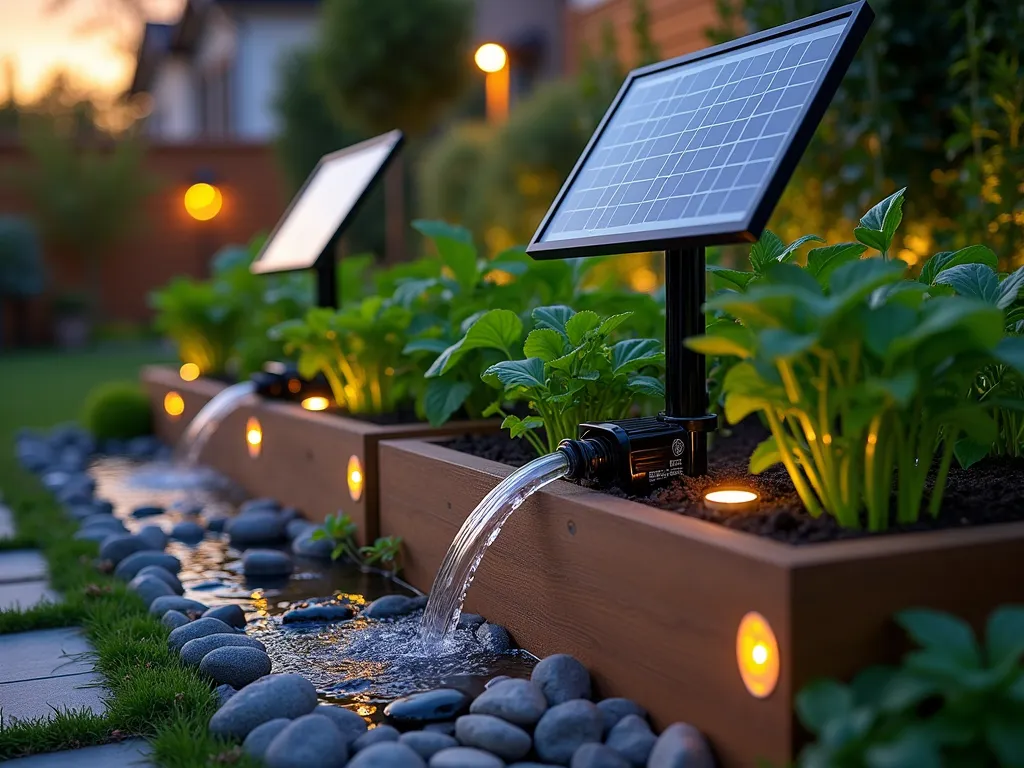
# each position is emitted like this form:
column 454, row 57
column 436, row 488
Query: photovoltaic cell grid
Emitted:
column 693, row 145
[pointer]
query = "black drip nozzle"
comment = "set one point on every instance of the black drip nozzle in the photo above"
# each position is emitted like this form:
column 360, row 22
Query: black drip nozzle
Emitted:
column 281, row 381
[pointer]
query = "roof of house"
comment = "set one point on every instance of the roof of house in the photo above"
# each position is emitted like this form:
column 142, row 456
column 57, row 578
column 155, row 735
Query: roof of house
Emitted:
column 155, row 42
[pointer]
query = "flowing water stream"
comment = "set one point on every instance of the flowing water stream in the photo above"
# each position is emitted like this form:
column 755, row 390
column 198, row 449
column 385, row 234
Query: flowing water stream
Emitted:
column 202, row 427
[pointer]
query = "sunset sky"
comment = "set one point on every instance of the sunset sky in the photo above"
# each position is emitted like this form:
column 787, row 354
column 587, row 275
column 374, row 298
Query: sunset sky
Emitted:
column 40, row 42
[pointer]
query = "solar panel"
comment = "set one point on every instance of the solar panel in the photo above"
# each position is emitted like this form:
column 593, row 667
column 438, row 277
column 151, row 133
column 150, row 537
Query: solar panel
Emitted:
column 326, row 203
column 697, row 150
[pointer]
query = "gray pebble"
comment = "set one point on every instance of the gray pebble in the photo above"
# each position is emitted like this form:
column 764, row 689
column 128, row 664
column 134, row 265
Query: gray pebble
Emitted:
column 118, row 546
column 259, row 738
column 597, row 756
column 565, row 728
column 103, row 521
column 465, row 757
column 97, row 533
column 253, row 529
column 349, row 724
column 147, row 511
column 388, row 754
column 270, row 697
column 188, row 532
column 129, row 568
column 236, row 666
column 520, row 702
column 388, row 607
column 297, row 527
column 232, row 615
column 426, row 743
column 193, row 651
column 165, row 576
column 681, row 746
column 166, row 603
column 470, row 621
column 447, row 728
column 153, row 535
column 495, row 680
column 562, row 678
column 631, row 737
column 223, row 692
column 304, row 545
column 216, row 523
column 198, row 628
column 174, row 619
column 266, row 563
column 613, row 710
column 433, row 706
column 310, row 741
column 149, row 588
column 507, row 741
column 493, row 637
column 376, row 735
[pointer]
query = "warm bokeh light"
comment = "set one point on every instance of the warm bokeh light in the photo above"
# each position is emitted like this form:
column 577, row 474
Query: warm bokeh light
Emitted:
column 316, row 403
column 731, row 499
column 174, row 405
column 254, row 436
column 355, row 478
column 203, row 201
column 757, row 655
column 294, row 385
column 491, row 57
column 189, row 372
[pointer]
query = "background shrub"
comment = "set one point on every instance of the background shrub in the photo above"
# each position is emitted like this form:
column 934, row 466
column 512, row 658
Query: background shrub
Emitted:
column 117, row 410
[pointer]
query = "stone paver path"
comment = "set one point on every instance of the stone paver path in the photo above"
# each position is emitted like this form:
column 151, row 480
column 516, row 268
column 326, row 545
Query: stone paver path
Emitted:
column 23, row 580
column 126, row 754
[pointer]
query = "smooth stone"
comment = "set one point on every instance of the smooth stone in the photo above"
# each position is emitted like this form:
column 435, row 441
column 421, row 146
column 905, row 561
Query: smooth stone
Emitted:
column 149, row 588
column 388, row 607
column 224, row 692
column 255, row 528
column 465, row 757
column 520, row 702
column 565, row 728
column 562, row 678
column 532, row 765
column 194, row 629
column 470, row 621
column 165, row 576
column 188, row 532
column 297, row 527
column 428, row 707
column 193, row 652
column 310, row 741
column 270, row 697
column 335, row 611
column 597, row 756
column 266, row 562
column 174, row 619
column 304, row 545
column 216, row 523
column 631, row 737
column 495, row 680
column 419, row 602
column 118, row 546
column 166, row 603
column 426, row 743
column 377, row 735
column 290, row 513
column 259, row 738
column 147, row 511
column 153, row 535
column 507, row 741
column 188, row 509
column 447, row 728
column 349, row 724
column 681, row 746
column 96, row 533
column 236, row 666
column 129, row 568
column 232, row 615
column 101, row 520
column 388, row 754
column 493, row 637
column 263, row 504
column 613, row 710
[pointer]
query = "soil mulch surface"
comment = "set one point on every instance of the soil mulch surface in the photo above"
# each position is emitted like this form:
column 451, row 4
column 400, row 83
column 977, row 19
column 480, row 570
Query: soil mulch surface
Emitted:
column 991, row 491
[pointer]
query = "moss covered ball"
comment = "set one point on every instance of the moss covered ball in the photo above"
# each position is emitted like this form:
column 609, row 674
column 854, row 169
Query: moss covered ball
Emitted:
column 118, row 410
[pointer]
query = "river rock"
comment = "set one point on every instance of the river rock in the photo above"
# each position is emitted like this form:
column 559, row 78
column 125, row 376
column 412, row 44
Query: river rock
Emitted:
column 266, row 563
column 613, row 710
column 188, row 532
column 416, row 709
column 153, row 535
column 254, row 529
column 118, row 546
column 304, row 545
column 495, row 680
column 259, row 738
column 223, row 693
column 493, row 638
column 328, row 609
column 198, row 628
column 166, row 603
column 270, row 697
column 426, row 744
column 174, row 619
column 465, row 757
column 597, row 756
column 262, row 504
column 105, row 521
column 149, row 588
column 193, row 651
column 507, row 741
column 147, row 511
column 631, row 737
column 377, row 735
column 389, row 607
column 681, row 746
column 236, row 666
column 232, row 615
column 216, row 523
column 165, row 576
column 447, row 727
column 388, row 754
column 470, row 621
column 349, row 724
column 97, row 533
column 562, row 678
column 565, row 728
column 310, row 741
column 129, row 568
column 297, row 526
column 520, row 702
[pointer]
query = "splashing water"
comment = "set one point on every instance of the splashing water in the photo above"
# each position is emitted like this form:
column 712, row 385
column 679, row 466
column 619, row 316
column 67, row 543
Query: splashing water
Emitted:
column 478, row 532
column 202, row 427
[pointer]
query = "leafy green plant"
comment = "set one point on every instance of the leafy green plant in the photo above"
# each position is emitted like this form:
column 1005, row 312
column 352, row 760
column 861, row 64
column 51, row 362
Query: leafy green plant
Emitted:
column 954, row 702
column 118, row 410
column 193, row 314
column 385, row 552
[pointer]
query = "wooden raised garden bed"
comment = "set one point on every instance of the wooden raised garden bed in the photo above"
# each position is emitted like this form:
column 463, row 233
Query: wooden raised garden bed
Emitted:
column 651, row 601
column 304, row 456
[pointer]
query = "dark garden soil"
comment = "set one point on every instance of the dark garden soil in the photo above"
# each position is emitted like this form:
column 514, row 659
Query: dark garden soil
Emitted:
column 991, row 491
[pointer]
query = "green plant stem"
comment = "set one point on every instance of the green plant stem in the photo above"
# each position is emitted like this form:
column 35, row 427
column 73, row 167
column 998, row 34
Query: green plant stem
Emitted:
column 806, row 495
column 939, row 488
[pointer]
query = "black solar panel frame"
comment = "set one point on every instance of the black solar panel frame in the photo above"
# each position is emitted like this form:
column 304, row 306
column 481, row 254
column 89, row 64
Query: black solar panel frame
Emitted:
column 858, row 17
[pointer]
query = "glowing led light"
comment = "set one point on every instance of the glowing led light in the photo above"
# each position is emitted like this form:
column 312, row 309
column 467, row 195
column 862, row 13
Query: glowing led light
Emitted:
column 254, row 437
column 491, row 57
column 355, row 478
column 174, row 405
column 757, row 655
column 189, row 372
column 315, row 403
column 203, row 201
column 731, row 500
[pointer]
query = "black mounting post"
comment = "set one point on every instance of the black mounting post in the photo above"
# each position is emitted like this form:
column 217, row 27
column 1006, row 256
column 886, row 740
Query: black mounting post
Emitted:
column 686, row 394
column 327, row 276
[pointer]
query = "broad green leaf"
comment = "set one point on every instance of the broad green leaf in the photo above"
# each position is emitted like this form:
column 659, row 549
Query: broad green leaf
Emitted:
column 577, row 326
column 739, row 406
column 973, row 420
column 879, row 225
column 790, row 250
column 900, row 387
column 724, row 338
column 779, row 344
column 884, row 325
column 823, row 702
column 645, row 385
column 518, row 427
column 970, row 319
column 1010, row 351
column 910, row 748
column 1005, row 736
column 614, row 321
column 766, row 251
column 437, row 346
column 499, row 329
column 516, row 268
column 766, row 455
column 974, row 280
column 733, row 276
column 455, row 247
column 972, row 254
column 855, row 280
column 554, row 317
column 791, row 274
column 1004, row 634
column 947, row 635
column 822, row 262
column 545, row 344
column 443, row 398
column 968, row 452
column 527, row 373
column 632, row 354
column 1010, row 288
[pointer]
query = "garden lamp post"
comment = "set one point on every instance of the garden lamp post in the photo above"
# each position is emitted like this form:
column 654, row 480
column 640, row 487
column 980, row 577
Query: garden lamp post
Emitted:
column 492, row 59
